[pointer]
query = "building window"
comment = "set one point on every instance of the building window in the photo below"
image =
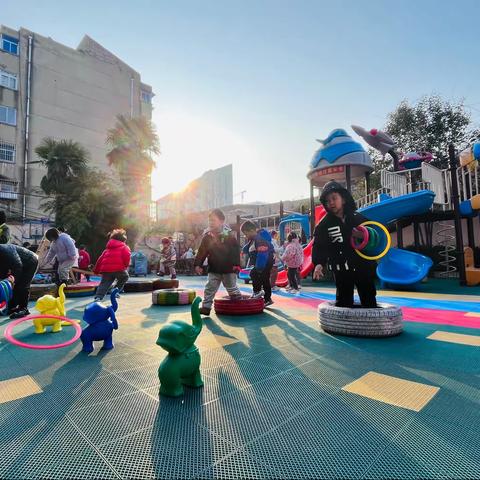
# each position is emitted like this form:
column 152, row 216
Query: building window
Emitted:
column 8, row 115
column 10, row 44
column 8, row 80
column 146, row 97
column 7, row 152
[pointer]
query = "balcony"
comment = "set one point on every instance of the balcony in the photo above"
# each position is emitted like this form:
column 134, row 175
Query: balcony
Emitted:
column 8, row 189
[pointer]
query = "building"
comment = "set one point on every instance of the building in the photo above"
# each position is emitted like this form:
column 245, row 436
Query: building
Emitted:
column 50, row 90
column 214, row 189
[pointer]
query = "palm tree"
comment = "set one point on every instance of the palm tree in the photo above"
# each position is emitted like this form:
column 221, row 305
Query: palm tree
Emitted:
column 133, row 141
column 65, row 160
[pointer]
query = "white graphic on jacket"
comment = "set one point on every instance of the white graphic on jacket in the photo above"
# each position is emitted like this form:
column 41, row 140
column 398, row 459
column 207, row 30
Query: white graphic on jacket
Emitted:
column 335, row 234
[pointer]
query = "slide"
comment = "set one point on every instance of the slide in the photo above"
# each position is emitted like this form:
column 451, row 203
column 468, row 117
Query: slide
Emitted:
column 307, row 267
column 401, row 267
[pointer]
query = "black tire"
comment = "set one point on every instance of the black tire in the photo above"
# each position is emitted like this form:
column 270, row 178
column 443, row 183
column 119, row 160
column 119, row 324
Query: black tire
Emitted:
column 386, row 321
column 160, row 284
column 140, row 286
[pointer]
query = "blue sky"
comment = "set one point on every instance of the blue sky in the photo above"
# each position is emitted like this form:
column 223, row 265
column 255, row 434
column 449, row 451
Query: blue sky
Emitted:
column 254, row 82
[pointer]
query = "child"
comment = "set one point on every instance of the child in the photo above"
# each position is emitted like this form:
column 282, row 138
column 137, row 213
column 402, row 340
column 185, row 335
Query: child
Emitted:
column 62, row 247
column 168, row 258
column 276, row 261
column 293, row 260
column 83, row 261
column 223, row 253
column 260, row 251
column 331, row 246
column 22, row 264
column 113, row 264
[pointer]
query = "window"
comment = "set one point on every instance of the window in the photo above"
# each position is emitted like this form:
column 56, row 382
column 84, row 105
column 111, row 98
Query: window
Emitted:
column 8, row 80
column 146, row 97
column 7, row 152
column 10, row 44
column 8, row 115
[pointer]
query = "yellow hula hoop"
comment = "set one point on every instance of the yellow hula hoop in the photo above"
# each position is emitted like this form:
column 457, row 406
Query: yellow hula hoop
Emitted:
column 387, row 247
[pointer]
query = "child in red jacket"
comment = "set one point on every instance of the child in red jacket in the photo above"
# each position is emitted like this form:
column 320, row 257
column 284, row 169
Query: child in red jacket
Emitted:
column 113, row 264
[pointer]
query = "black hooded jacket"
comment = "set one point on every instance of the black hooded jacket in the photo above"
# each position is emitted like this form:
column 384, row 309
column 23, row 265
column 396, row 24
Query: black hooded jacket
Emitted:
column 13, row 258
column 331, row 244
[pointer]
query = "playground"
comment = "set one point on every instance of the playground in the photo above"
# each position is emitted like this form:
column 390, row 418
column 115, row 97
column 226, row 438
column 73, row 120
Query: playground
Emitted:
column 275, row 402
column 286, row 393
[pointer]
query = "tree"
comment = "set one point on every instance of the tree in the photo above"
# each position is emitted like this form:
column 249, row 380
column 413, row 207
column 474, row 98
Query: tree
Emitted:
column 133, row 142
column 431, row 125
column 85, row 201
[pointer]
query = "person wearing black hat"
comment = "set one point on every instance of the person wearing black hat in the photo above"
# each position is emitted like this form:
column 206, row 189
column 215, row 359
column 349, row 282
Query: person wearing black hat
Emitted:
column 331, row 247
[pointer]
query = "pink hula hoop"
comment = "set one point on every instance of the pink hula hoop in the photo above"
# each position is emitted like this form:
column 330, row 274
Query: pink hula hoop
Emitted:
column 9, row 337
column 364, row 242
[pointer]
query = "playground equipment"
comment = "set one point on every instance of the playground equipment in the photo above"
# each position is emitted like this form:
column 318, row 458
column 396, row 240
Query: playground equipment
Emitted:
column 414, row 160
column 83, row 289
column 296, row 222
column 383, row 321
column 375, row 243
column 50, row 305
column 241, row 306
column 6, row 292
column 101, row 324
column 173, row 296
column 472, row 273
column 10, row 338
column 182, row 364
column 307, row 266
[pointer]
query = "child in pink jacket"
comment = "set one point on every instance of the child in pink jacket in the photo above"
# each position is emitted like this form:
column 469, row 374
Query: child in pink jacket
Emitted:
column 293, row 260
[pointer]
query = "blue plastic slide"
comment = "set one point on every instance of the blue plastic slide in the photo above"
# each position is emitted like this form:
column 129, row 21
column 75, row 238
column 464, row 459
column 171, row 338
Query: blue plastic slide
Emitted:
column 401, row 267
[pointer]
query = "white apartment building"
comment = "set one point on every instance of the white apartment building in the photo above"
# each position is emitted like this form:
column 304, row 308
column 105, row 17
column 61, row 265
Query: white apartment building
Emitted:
column 50, row 90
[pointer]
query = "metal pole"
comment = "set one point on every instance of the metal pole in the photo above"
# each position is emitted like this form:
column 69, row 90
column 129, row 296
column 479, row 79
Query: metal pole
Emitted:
column 27, row 127
column 367, row 183
column 456, row 214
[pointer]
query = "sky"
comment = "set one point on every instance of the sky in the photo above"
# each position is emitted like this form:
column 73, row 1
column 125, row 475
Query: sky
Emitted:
column 255, row 82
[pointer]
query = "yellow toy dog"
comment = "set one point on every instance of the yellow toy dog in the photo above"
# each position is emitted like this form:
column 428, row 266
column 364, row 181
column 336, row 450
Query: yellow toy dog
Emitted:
column 49, row 305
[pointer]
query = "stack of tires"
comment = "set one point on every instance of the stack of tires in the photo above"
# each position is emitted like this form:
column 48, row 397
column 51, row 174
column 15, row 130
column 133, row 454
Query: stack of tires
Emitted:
column 160, row 284
column 173, row 296
column 242, row 306
column 384, row 321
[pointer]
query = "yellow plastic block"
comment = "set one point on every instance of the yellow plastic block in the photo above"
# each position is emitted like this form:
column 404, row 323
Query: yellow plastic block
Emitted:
column 460, row 338
column 19, row 387
column 394, row 391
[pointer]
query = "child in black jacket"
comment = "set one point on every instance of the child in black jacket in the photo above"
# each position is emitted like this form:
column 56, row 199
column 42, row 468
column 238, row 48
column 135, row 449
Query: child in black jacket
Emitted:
column 331, row 246
column 222, row 250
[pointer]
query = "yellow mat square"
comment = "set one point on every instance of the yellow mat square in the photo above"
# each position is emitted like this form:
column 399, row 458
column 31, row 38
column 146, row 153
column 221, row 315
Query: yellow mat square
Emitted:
column 395, row 391
column 19, row 387
column 472, row 340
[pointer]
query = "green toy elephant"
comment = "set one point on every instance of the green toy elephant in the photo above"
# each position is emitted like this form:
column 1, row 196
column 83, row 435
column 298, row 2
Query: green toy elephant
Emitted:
column 182, row 364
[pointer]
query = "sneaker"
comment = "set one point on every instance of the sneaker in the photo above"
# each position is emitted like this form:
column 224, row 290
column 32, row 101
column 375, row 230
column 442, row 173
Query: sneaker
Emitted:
column 275, row 289
column 288, row 289
column 293, row 291
column 23, row 312
column 173, row 277
column 268, row 303
column 205, row 311
column 259, row 294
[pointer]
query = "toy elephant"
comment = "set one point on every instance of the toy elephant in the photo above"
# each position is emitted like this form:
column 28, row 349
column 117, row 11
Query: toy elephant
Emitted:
column 50, row 305
column 102, row 322
column 182, row 364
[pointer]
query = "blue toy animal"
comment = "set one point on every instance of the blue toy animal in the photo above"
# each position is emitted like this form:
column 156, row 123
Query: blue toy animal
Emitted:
column 6, row 292
column 102, row 322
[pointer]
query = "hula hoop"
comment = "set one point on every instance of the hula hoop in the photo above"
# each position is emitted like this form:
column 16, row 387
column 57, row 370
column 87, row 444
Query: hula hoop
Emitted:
column 9, row 337
column 363, row 243
column 387, row 246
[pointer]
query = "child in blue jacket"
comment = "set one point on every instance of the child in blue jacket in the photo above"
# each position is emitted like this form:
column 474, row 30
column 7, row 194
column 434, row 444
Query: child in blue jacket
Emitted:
column 260, row 250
